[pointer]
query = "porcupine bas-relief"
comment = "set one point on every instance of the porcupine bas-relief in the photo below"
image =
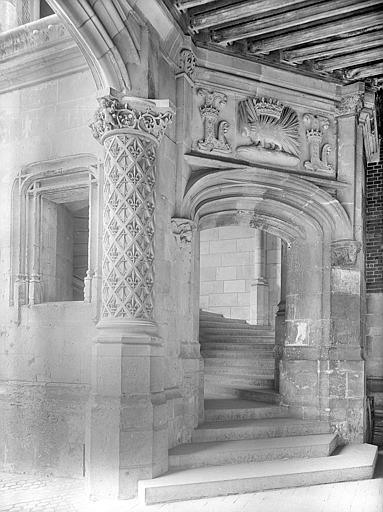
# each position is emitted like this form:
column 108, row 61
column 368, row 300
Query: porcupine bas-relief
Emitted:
column 273, row 130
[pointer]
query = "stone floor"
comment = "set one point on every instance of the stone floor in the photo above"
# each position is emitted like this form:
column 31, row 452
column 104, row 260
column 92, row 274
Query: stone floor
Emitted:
column 21, row 493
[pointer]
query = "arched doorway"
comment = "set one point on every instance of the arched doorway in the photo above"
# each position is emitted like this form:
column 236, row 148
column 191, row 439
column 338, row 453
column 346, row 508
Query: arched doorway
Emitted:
column 313, row 226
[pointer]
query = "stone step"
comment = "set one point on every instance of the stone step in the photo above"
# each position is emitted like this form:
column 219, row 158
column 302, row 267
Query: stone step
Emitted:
column 252, row 354
column 229, row 338
column 239, row 380
column 246, row 347
column 240, row 372
column 354, row 462
column 215, row 390
column 260, row 395
column 236, row 409
column 257, row 429
column 195, row 455
column 216, row 327
column 240, row 363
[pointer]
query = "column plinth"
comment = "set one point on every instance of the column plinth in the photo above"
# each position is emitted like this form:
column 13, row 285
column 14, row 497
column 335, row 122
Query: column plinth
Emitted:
column 127, row 429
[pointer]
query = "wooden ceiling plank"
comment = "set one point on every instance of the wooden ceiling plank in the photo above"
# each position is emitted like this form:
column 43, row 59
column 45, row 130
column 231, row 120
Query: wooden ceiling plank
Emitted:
column 323, row 31
column 183, row 5
column 333, row 48
column 239, row 11
column 291, row 19
column 364, row 72
column 345, row 61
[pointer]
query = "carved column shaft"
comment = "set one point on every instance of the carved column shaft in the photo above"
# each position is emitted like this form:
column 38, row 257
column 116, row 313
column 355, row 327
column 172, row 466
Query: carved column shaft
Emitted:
column 129, row 407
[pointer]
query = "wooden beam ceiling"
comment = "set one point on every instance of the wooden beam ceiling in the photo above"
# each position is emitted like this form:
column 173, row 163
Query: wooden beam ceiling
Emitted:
column 291, row 19
column 332, row 48
column 239, row 11
column 323, row 31
column 341, row 39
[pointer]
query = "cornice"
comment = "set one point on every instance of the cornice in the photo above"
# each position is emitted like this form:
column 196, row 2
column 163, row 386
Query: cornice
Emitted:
column 36, row 52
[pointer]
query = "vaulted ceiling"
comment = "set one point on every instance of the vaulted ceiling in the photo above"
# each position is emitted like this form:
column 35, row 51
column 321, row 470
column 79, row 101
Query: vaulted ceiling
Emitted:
column 340, row 39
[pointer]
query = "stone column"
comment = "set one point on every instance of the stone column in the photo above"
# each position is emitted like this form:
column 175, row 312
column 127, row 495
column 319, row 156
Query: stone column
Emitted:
column 259, row 290
column 127, row 436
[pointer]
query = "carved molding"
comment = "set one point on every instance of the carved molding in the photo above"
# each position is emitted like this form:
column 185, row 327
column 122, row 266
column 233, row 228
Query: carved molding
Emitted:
column 130, row 137
column 114, row 115
column 273, row 130
column 183, row 231
column 214, row 132
column 28, row 37
column 350, row 105
column 344, row 253
column 319, row 154
column 187, row 62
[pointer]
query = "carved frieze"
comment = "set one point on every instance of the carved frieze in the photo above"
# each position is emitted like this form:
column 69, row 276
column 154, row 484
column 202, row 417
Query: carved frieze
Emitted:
column 319, row 154
column 344, row 253
column 187, row 62
column 31, row 36
column 183, row 231
column 273, row 129
column 214, row 139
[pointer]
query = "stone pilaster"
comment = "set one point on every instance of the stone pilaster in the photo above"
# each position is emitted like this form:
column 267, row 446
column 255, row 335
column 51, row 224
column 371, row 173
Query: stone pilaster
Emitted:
column 127, row 435
column 259, row 288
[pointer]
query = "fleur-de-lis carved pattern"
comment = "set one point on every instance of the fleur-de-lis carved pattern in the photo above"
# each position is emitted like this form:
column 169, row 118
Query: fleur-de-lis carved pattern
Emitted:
column 128, row 226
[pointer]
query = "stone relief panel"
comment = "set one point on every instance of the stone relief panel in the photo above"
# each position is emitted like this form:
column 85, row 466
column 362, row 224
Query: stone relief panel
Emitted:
column 183, row 230
column 214, row 139
column 273, row 129
column 320, row 152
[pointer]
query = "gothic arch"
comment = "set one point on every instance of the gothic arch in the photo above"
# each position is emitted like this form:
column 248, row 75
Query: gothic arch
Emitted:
column 108, row 37
column 286, row 205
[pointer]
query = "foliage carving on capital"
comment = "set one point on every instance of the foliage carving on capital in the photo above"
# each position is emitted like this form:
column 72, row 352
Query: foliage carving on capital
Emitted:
column 187, row 62
column 273, row 129
column 344, row 253
column 350, row 104
column 214, row 131
column 114, row 115
column 183, row 231
column 319, row 154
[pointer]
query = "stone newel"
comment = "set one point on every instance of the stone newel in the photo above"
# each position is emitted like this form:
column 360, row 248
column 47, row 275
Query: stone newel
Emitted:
column 127, row 435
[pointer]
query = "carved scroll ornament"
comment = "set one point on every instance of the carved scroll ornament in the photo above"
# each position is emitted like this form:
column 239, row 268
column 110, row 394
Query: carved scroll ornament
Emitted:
column 187, row 62
column 214, row 131
column 320, row 154
column 273, row 130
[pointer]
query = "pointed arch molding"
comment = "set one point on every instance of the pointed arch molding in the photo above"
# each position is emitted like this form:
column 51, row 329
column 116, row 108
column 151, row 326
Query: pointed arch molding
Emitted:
column 107, row 34
column 285, row 205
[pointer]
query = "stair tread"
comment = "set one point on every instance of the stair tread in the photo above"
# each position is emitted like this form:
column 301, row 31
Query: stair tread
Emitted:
column 251, row 444
column 350, row 456
column 262, row 422
column 229, row 403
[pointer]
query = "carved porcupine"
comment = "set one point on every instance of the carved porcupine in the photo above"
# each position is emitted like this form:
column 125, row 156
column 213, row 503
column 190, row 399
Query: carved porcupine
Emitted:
column 270, row 125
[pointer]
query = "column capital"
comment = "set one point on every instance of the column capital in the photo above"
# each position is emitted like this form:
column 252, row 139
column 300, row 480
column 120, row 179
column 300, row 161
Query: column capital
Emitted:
column 118, row 112
column 344, row 253
column 350, row 104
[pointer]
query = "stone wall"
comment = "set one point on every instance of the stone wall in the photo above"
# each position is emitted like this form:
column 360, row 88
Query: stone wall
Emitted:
column 227, row 271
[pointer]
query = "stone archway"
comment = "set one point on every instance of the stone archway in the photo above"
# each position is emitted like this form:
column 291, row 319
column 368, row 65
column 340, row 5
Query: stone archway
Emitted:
column 320, row 361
